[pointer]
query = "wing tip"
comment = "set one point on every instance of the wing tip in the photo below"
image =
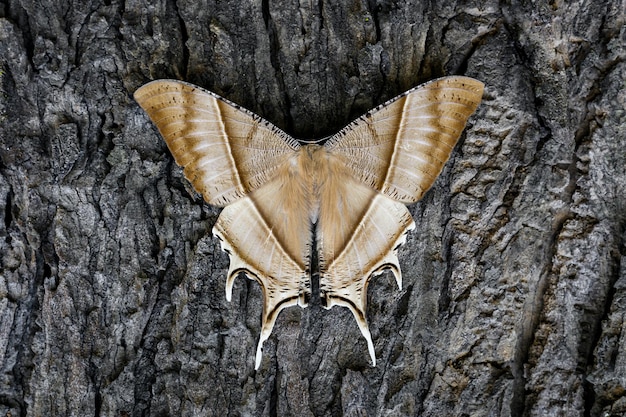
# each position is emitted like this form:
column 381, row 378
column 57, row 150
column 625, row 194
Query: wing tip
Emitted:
column 370, row 344
column 359, row 316
column 155, row 86
column 361, row 321
column 258, row 358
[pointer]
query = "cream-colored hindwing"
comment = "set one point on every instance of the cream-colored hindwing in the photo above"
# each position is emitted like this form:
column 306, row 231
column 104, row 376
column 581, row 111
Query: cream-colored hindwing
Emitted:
column 351, row 191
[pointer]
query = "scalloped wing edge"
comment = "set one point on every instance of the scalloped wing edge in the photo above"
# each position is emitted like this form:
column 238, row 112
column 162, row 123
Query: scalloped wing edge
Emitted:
column 271, row 306
column 358, row 306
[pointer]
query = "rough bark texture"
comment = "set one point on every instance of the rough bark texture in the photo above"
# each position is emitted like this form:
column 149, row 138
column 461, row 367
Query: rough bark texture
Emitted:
column 112, row 288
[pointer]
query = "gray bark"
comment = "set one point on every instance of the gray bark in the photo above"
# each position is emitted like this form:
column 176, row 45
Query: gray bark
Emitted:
column 112, row 288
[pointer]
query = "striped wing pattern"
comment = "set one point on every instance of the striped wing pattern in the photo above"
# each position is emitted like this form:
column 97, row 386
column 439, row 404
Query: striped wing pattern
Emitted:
column 400, row 147
column 278, row 194
column 225, row 150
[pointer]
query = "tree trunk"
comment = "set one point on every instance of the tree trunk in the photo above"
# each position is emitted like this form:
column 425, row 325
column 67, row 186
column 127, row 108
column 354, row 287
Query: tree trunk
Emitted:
column 112, row 287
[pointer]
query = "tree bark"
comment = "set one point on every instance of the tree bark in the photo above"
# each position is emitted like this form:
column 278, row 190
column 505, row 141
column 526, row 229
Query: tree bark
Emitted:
column 112, row 287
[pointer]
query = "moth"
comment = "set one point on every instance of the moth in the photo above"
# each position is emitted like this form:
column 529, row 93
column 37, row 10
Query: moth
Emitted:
column 344, row 196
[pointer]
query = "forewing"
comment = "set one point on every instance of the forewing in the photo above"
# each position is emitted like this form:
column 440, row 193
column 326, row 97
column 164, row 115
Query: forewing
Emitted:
column 400, row 147
column 358, row 233
column 226, row 151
